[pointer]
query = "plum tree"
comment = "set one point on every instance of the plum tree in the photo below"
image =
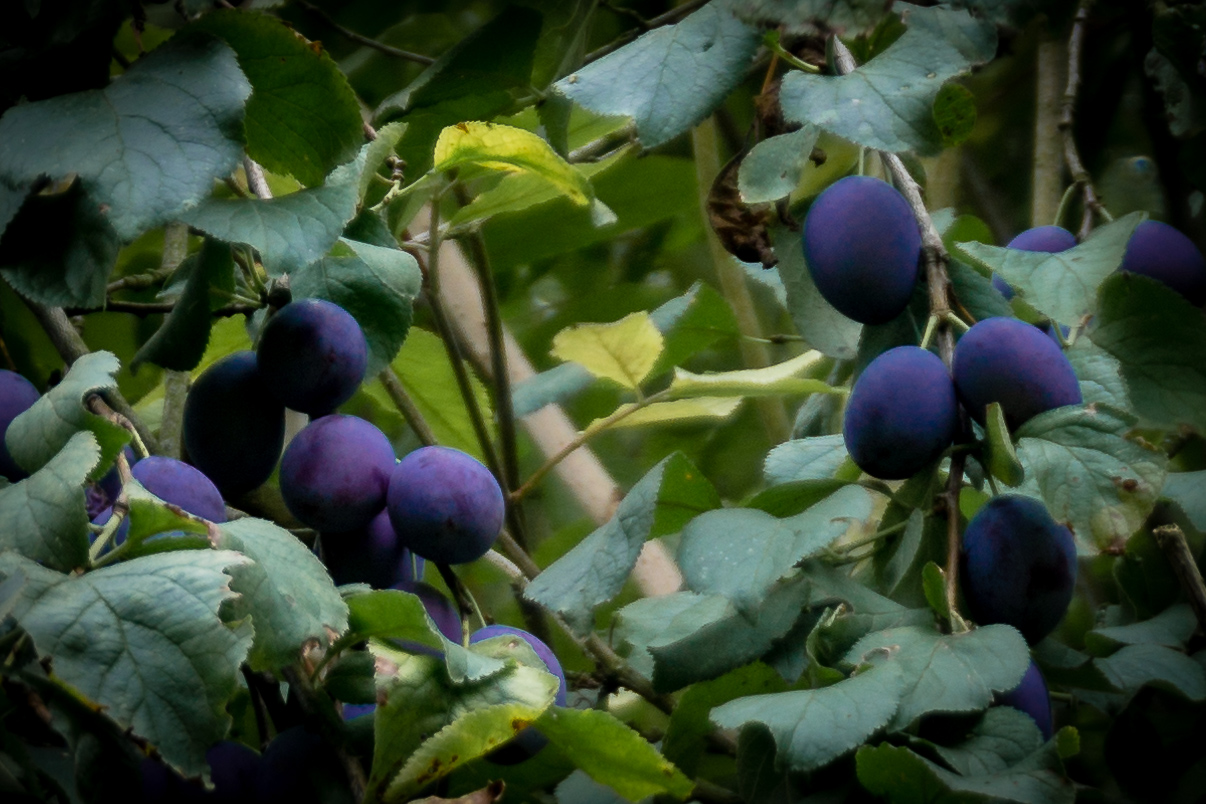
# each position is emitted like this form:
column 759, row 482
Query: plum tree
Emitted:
column 372, row 554
column 17, row 395
column 860, row 234
column 335, row 473
column 1031, row 696
column 529, row 741
column 1011, row 362
column 901, row 414
column 1161, row 252
column 313, row 355
column 1051, row 239
column 233, row 427
column 1019, row 566
column 445, row 505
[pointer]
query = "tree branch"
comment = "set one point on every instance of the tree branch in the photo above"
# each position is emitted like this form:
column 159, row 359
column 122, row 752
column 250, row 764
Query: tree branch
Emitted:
column 670, row 17
column 361, row 39
column 144, row 309
column 1080, row 176
column 406, row 406
column 1172, row 542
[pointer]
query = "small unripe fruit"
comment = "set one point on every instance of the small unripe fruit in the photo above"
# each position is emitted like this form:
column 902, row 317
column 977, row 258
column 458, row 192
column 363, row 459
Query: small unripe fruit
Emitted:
column 1011, row 362
column 445, row 505
column 1051, row 239
column 1019, row 566
column 1159, row 251
column 862, row 247
column 313, row 356
column 901, row 414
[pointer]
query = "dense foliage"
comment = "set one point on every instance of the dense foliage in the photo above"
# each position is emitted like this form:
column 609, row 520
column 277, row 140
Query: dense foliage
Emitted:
column 746, row 465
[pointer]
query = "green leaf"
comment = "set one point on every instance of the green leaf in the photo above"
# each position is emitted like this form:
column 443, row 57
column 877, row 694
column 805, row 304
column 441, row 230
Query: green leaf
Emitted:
column 1136, row 666
column 180, row 342
column 1171, row 628
column 302, row 118
column 685, row 741
column 821, row 326
column 623, row 351
column 292, row 231
column 1160, row 341
column 425, row 717
column 286, row 592
column 71, row 268
column 36, row 436
column 742, row 553
column 1001, row 458
column 954, row 113
column 673, row 412
column 150, row 516
column 811, row 16
column 1003, row 737
column 44, row 516
column 12, row 197
column 814, row 727
column 902, row 777
column 377, row 286
column 1062, row 286
column 947, row 673
column 976, row 293
column 794, row 497
column 772, row 168
column 805, row 459
column 887, row 103
column 780, row 379
column 1092, row 474
column 523, row 189
column 146, row 147
column 1188, row 490
column 1099, row 373
column 509, row 149
column 375, row 155
column 671, row 77
column 933, row 585
column 613, row 754
column 143, row 639
column 594, row 570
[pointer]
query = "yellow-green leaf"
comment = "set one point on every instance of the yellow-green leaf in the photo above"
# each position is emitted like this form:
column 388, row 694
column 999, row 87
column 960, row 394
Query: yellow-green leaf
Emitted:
column 782, row 378
column 513, row 150
column 678, row 410
column 624, row 351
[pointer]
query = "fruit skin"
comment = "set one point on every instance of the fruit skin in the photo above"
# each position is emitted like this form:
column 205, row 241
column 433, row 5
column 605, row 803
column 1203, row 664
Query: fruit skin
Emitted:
column 445, row 505
column 1019, row 566
column 439, row 608
column 313, row 356
column 1161, row 252
column 335, row 472
column 173, row 482
column 17, row 395
column 901, row 414
column 1011, row 362
column 529, row 741
column 1031, row 696
column 371, row 555
column 1051, row 239
column 233, row 427
column 862, row 247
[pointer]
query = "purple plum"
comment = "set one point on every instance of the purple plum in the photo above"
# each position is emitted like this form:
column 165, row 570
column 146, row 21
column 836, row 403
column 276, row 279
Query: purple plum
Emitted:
column 1051, row 239
column 17, row 395
column 529, row 741
column 1159, row 251
column 1030, row 696
column 371, row 555
column 313, row 356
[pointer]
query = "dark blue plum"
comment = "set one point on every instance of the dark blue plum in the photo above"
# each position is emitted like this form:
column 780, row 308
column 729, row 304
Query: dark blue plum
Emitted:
column 1051, row 239
column 441, row 610
column 1159, row 251
column 233, row 770
column 1011, row 362
column 1019, row 566
column 529, row 741
column 353, row 711
column 1030, row 696
column 173, row 482
column 313, row 355
column 371, row 555
column 17, row 395
column 101, row 494
column 901, row 414
column 862, row 246
column 233, row 427
column 335, row 473
column 445, row 505
column 299, row 766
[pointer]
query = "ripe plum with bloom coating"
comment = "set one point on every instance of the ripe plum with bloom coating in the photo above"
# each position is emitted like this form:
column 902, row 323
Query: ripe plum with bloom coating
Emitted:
column 313, row 355
column 1163, row 253
column 335, row 473
column 233, row 427
column 17, row 395
column 901, row 414
column 1031, row 696
column 1019, row 566
column 173, row 482
column 862, row 247
column 1051, row 239
column 445, row 505
column 529, row 741
column 1011, row 362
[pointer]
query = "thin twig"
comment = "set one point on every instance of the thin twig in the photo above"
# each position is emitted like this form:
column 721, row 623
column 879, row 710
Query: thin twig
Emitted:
column 139, row 281
column 1080, row 176
column 380, row 47
column 672, row 16
column 1172, row 542
column 143, row 309
column 406, row 406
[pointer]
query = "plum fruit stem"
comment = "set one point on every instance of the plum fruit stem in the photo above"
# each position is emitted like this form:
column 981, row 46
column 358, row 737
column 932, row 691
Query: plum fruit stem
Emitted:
column 935, row 259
